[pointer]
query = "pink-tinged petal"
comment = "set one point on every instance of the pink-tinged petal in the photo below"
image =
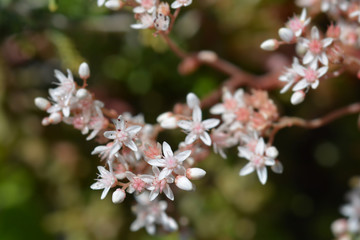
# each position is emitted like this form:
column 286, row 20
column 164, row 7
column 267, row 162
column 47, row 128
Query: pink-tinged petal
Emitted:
column 217, row 109
column 167, row 150
column 205, row 137
column 300, row 85
column 245, row 153
column 157, row 163
column 133, row 130
column 186, row 125
column 182, row 156
column 97, row 186
column 323, row 58
column 308, row 57
column 315, row 33
column 104, row 193
column 164, row 173
column 155, row 170
column 315, row 84
column 197, row 114
column 210, row 123
column 153, row 194
column 260, row 147
column 115, row 148
column 321, row 71
column 168, row 192
column 176, row 4
column 190, row 138
column 131, row 145
column 110, row 134
column 262, row 174
column 247, row 169
column 326, row 42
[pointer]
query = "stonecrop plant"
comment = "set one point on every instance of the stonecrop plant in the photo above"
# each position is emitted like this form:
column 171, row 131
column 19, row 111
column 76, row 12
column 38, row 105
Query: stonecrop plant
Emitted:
column 133, row 162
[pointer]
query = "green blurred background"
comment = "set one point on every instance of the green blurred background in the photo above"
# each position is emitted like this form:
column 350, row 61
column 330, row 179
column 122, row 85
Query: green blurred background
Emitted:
column 45, row 172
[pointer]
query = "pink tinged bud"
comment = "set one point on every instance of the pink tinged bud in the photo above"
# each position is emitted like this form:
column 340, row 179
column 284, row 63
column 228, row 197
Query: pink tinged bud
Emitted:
column 297, row 97
column 114, row 4
column 183, row 183
column 270, row 45
column 42, row 103
column 118, row 196
column 272, row 152
column 82, row 93
column 84, row 71
column 55, row 118
column 339, row 227
column 195, row 173
column 45, row 121
column 286, row 34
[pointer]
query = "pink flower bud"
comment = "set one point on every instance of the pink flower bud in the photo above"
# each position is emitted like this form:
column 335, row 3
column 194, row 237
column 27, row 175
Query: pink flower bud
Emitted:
column 84, row 71
column 82, row 93
column 286, row 34
column 183, row 183
column 55, row 118
column 45, row 121
column 270, row 45
column 195, row 173
column 118, row 196
column 297, row 97
column 42, row 103
column 272, row 152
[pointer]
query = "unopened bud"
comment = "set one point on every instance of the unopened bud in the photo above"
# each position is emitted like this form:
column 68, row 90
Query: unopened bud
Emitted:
column 339, row 227
column 297, row 97
column 207, row 56
column 167, row 120
column 55, row 118
column 183, row 183
column 195, row 173
column 270, row 45
column 45, row 121
column 42, row 103
column 272, row 152
column 286, row 34
column 164, row 9
column 84, row 71
column 171, row 225
column 188, row 65
column 82, row 93
column 192, row 100
column 118, row 196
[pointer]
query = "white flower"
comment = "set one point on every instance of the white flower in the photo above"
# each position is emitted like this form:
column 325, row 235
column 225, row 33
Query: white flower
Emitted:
column 122, row 136
column 146, row 21
column 158, row 186
column 258, row 160
column 170, row 162
column 316, row 48
column 145, row 6
column 298, row 25
column 355, row 14
column 181, row 3
column 148, row 213
column 310, row 76
column 138, row 182
column 197, row 128
column 289, row 76
column 105, row 181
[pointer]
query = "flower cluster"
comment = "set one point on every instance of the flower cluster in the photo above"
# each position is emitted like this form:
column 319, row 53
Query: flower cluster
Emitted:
column 73, row 105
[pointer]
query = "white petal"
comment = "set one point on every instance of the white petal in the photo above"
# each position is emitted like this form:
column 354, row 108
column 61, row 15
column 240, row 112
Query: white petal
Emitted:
column 104, row 193
column 139, row 9
column 150, row 229
column 260, row 147
column 167, row 150
column 176, row 4
column 183, row 183
column 299, row 69
column 157, row 163
column 321, row 71
column 244, row 152
column 136, row 225
column 110, row 134
column 315, row 33
column 217, row 109
column 315, row 84
column 247, row 169
column 323, row 58
column 197, row 114
column 131, row 145
column 183, row 155
column 168, row 192
column 100, row 2
column 286, row 87
column 326, row 42
column 133, row 130
column 308, row 57
column 269, row 161
column 186, row 125
column 190, row 138
column 155, row 170
column 210, row 123
column 115, row 148
column 98, row 150
column 153, row 194
column 303, row 14
column 97, row 186
column 205, row 137
column 192, row 100
column 164, row 173
column 300, row 85
column 262, row 174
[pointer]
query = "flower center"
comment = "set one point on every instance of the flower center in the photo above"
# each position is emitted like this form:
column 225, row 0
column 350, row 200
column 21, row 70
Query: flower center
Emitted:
column 242, row 114
column 257, row 160
column 138, row 184
column 171, row 162
column 122, row 135
column 230, row 104
column 310, row 75
column 315, row 46
column 147, row 4
column 296, row 24
column 198, row 128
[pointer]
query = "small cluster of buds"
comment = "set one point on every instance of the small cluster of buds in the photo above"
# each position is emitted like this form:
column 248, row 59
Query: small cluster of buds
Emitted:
column 73, row 105
column 148, row 13
column 349, row 228
column 317, row 54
